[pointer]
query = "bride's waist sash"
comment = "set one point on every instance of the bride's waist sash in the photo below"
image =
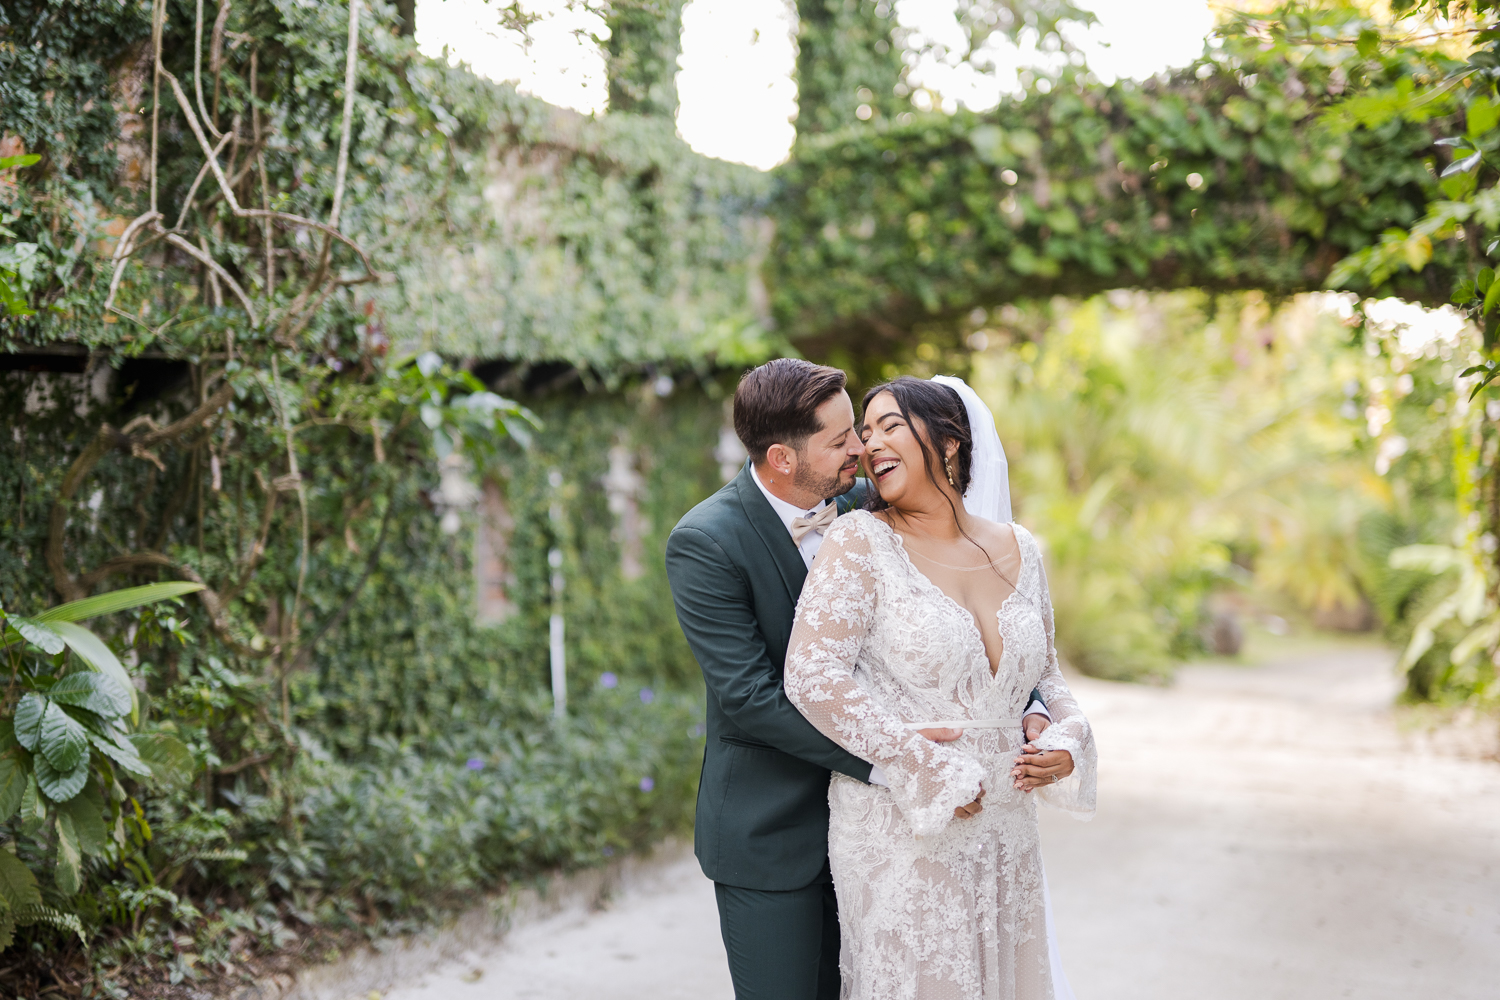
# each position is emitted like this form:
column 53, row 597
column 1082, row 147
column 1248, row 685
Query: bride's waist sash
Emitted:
column 966, row 724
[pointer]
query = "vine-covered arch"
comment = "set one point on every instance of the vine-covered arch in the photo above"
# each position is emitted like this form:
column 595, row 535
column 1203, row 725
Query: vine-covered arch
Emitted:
column 1226, row 176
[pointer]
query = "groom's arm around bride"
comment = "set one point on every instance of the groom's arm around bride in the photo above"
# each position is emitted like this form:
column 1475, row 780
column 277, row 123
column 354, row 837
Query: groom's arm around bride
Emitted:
column 736, row 571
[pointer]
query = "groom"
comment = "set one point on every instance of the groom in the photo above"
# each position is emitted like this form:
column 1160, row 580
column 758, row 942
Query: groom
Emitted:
column 736, row 563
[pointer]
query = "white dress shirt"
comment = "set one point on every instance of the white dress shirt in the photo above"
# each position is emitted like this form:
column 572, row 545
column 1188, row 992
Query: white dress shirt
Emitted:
column 811, row 542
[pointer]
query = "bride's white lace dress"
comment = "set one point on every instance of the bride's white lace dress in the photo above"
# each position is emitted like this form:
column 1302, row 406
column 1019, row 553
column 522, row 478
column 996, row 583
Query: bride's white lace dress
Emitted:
column 932, row 907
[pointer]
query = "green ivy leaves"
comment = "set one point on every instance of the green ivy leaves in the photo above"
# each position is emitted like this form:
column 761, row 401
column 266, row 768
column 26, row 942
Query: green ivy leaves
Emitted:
column 18, row 262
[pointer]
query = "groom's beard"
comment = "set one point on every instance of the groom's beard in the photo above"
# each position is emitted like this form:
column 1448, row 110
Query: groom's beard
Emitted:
column 826, row 487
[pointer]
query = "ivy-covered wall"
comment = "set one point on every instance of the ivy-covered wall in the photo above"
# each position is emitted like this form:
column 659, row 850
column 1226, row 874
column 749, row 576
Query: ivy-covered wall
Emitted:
column 253, row 412
column 410, row 757
column 412, row 660
column 1222, row 177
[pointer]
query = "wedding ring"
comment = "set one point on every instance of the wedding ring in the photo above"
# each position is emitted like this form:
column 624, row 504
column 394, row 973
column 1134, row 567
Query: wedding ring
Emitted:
column 1055, row 777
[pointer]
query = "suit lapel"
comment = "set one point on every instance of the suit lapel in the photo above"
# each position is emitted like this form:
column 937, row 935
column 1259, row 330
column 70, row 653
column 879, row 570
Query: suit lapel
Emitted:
column 772, row 532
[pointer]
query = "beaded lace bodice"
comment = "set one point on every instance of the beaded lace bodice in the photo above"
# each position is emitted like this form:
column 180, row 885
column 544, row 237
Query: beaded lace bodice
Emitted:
column 932, row 907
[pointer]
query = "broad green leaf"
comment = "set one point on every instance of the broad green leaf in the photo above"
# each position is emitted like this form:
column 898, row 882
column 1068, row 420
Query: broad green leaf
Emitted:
column 116, row 600
column 12, row 784
column 99, row 693
column 171, row 763
column 33, row 809
column 64, row 742
column 86, row 811
column 1483, row 114
column 122, row 752
column 60, row 786
column 12, row 298
column 1432, row 558
column 28, row 719
column 69, row 857
column 1491, row 297
column 97, row 655
column 1368, row 44
column 1482, row 638
column 17, row 884
column 1492, row 374
column 39, row 635
column 1484, row 279
column 1417, row 251
column 24, row 160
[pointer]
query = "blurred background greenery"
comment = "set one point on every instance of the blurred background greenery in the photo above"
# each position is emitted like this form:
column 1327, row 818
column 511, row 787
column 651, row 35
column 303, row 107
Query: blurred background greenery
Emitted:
column 1201, row 465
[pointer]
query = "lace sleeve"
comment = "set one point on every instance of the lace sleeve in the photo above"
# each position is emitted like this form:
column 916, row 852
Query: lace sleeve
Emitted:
column 1070, row 731
column 834, row 615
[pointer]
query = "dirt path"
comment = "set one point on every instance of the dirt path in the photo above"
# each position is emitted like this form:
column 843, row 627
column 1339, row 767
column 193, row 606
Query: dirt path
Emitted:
column 1263, row 833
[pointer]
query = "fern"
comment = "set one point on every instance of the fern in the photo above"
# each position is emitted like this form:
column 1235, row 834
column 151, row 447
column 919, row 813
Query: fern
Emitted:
column 37, row 913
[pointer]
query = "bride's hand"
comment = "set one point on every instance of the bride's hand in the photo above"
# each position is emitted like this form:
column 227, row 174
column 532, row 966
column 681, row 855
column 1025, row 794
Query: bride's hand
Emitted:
column 1035, row 768
column 972, row 809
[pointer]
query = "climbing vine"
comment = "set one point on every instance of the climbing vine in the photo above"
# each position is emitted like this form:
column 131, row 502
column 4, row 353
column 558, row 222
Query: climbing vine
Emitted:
column 1218, row 178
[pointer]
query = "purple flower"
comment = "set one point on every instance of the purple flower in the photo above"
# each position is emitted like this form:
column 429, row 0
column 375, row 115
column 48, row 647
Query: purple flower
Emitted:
column 647, row 696
column 475, row 764
column 647, row 784
column 609, row 852
column 608, row 680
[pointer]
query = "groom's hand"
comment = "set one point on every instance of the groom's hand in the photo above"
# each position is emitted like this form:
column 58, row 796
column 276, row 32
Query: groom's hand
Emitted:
column 1035, row 725
column 972, row 809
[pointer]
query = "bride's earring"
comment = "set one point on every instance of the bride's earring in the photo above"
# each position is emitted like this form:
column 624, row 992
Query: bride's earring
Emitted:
column 949, row 469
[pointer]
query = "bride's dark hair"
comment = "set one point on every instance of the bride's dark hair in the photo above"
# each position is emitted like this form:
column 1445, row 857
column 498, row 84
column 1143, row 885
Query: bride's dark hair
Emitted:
column 944, row 418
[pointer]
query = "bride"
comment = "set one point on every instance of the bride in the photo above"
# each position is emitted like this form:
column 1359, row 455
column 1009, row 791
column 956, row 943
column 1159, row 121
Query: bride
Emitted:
column 921, row 631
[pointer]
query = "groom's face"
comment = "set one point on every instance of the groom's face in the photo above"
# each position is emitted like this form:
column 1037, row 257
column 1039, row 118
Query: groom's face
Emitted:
column 826, row 465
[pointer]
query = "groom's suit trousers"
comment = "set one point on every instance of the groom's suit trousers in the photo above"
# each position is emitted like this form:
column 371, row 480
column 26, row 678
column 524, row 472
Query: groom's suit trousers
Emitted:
column 782, row 945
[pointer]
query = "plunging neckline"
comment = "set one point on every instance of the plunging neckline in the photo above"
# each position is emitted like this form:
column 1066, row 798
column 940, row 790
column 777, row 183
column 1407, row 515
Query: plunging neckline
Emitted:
column 969, row 617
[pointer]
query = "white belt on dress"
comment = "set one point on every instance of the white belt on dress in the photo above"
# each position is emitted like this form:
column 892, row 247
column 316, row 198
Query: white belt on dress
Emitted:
column 967, row 724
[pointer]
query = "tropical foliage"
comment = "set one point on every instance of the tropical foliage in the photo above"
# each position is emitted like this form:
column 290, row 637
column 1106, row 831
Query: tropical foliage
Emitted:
column 1175, row 450
column 1456, row 639
column 69, row 752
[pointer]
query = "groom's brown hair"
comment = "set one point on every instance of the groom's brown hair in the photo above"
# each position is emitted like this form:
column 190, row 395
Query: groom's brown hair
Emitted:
column 778, row 402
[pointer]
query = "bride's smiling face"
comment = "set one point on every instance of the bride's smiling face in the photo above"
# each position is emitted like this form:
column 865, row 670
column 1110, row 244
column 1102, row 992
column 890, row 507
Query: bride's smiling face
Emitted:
column 893, row 457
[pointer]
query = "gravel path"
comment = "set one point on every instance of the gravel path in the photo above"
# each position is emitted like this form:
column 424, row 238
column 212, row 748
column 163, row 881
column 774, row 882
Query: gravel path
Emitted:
column 1263, row 833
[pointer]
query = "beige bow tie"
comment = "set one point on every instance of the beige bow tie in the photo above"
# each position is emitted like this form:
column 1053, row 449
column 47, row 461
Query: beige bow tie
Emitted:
column 818, row 522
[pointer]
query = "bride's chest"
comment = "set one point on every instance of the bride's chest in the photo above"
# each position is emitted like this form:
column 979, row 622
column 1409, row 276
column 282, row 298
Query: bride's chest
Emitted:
column 927, row 639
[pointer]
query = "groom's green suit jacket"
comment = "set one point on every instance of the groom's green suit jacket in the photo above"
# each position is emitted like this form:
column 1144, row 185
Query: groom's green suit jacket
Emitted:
column 763, row 798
